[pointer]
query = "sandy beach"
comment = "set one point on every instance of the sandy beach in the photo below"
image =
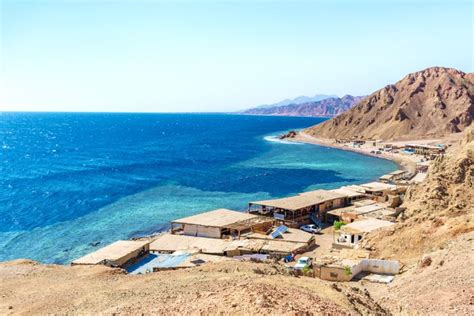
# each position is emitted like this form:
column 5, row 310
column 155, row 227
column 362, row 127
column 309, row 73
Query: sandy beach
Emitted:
column 404, row 162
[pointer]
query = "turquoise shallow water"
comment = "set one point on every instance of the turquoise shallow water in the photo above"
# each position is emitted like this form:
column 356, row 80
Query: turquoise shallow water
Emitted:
column 70, row 183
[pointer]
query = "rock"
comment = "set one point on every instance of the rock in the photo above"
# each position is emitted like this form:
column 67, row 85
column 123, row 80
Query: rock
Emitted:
column 425, row 261
column 290, row 134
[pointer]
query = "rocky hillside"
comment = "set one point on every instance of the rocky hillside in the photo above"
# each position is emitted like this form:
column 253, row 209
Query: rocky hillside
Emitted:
column 429, row 103
column 434, row 239
column 438, row 209
column 324, row 108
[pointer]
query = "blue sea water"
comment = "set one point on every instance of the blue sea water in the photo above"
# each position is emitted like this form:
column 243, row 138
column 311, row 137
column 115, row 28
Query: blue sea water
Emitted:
column 70, row 183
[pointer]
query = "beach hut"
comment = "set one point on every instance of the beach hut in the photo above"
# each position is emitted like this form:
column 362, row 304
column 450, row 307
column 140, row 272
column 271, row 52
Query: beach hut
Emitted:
column 351, row 234
column 220, row 223
column 117, row 254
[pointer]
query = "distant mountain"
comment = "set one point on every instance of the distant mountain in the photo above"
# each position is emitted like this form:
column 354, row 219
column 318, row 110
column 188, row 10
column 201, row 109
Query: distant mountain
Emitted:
column 429, row 103
column 325, row 108
column 298, row 100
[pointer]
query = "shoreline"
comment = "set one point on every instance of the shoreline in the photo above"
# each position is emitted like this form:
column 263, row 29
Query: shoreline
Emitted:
column 403, row 162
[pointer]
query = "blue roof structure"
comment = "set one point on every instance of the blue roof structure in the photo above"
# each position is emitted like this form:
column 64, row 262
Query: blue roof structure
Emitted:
column 157, row 261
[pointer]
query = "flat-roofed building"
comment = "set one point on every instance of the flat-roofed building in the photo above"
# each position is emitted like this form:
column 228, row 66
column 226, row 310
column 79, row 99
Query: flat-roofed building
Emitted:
column 282, row 248
column 296, row 210
column 117, row 254
column 364, row 202
column 379, row 190
column 393, row 176
column 352, row 192
column 219, row 223
column 352, row 213
column 426, row 149
column 351, row 234
column 169, row 243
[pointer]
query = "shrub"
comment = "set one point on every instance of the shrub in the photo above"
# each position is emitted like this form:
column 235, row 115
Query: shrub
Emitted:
column 307, row 271
column 347, row 270
column 338, row 224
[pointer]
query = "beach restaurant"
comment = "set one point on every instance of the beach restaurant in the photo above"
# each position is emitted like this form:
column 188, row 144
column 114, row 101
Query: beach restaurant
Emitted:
column 296, row 210
column 221, row 223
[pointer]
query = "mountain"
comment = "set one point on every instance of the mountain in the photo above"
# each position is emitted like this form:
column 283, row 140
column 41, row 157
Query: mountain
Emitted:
column 429, row 103
column 297, row 100
column 326, row 107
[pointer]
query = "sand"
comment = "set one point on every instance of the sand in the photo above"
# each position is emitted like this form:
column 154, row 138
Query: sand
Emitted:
column 404, row 162
column 241, row 288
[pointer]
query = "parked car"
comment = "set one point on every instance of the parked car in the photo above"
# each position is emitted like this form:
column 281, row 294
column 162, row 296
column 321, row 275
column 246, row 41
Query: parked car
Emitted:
column 311, row 228
column 302, row 263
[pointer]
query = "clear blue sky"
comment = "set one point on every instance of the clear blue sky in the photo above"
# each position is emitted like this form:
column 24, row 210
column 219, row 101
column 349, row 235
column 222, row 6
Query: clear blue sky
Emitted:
column 176, row 56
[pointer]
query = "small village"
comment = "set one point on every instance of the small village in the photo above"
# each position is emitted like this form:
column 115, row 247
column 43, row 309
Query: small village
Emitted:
column 319, row 233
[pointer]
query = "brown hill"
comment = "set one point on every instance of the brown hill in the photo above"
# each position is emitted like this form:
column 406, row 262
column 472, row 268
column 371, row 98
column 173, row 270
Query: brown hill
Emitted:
column 438, row 209
column 323, row 108
column 434, row 238
column 226, row 288
column 429, row 103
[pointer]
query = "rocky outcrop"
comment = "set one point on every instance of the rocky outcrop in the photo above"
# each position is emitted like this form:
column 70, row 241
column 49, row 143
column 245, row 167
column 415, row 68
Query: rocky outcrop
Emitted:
column 428, row 103
column 290, row 134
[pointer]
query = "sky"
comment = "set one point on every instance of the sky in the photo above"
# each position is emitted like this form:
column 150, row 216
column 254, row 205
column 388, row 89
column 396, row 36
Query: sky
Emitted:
column 214, row 56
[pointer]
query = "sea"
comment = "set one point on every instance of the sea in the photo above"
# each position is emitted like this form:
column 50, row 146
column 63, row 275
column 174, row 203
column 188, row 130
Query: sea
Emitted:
column 73, row 182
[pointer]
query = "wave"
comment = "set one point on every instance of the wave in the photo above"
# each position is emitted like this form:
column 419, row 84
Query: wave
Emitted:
column 276, row 139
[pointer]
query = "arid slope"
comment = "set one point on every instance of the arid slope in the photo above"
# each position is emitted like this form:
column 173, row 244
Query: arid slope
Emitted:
column 434, row 238
column 224, row 288
column 429, row 103
column 437, row 210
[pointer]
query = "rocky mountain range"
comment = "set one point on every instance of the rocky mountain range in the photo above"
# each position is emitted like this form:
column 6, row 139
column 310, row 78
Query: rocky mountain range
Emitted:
column 298, row 100
column 428, row 103
column 324, row 108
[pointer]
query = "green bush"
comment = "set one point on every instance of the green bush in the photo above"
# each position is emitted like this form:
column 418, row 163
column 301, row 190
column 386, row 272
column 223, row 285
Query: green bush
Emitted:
column 338, row 224
column 347, row 270
column 307, row 271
